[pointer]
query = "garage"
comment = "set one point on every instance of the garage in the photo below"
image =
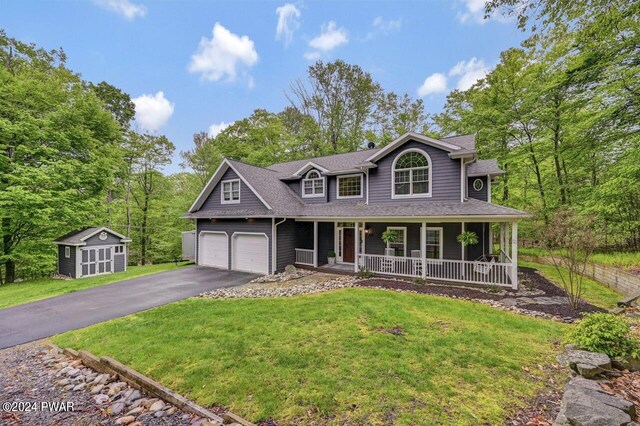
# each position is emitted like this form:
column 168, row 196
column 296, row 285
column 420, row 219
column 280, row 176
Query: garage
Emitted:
column 250, row 253
column 214, row 249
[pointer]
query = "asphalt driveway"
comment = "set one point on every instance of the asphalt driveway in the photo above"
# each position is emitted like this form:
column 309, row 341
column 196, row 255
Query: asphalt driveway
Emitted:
column 44, row 318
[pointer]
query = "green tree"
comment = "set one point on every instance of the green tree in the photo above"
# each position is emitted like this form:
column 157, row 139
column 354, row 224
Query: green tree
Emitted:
column 58, row 147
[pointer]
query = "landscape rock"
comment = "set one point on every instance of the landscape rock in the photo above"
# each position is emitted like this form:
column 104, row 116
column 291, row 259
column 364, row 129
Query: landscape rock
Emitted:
column 580, row 409
column 96, row 389
column 628, row 363
column 116, row 408
column 135, row 411
column 125, row 420
column 101, row 399
column 157, row 406
column 589, row 363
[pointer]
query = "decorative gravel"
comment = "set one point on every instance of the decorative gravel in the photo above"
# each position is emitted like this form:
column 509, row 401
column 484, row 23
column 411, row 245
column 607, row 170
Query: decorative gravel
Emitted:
column 291, row 274
column 34, row 373
column 343, row 281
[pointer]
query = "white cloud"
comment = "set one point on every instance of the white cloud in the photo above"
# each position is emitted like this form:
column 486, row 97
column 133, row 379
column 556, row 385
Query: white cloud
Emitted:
column 221, row 55
column 473, row 11
column 387, row 26
column 288, row 22
column 330, row 37
column 152, row 111
column 435, row 83
column 216, row 129
column 469, row 71
column 124, row 7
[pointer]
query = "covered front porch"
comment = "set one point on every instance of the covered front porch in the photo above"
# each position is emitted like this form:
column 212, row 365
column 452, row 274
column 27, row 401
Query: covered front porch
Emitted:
column 422, row 249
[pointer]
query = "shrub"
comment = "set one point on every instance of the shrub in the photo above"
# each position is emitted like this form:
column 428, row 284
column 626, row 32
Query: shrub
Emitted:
column 606, row 333
column 492, row 288
column 419, row 280
column 331, row 253
column 364, row 273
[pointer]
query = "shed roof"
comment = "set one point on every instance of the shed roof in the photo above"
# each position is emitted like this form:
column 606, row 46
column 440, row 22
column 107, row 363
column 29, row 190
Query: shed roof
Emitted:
column 79, row 237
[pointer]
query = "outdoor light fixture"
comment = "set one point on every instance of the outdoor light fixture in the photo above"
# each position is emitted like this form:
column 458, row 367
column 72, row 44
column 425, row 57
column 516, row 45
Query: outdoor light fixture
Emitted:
column 250, row 220
column 368, row 231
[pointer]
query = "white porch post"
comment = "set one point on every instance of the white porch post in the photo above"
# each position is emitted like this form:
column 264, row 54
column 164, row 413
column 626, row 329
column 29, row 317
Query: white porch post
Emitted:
column 423, row 246
column 514, row 255
column 315, row 243
column 357, row 248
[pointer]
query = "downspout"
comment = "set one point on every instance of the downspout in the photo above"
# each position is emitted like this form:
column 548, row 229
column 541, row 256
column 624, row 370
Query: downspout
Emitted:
column 274, row 244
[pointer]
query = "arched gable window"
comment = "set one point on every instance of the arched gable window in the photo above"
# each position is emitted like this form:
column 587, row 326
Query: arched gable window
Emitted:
column 412, row 174
column 313, row 185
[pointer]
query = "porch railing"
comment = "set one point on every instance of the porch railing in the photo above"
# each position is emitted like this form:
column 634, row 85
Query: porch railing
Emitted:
column 472, row 272
column 304, row 257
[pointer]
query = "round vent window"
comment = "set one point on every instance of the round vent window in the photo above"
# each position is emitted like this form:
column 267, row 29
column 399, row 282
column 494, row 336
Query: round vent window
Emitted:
column 478, row 184
column 103, row 236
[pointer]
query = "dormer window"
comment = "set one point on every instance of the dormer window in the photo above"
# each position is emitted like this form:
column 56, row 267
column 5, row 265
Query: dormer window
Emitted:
column 313, row 185
column 412, row 175
column 231, row 191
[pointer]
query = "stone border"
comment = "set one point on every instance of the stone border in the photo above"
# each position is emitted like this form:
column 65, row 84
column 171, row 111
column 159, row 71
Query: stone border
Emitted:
column 135, row 379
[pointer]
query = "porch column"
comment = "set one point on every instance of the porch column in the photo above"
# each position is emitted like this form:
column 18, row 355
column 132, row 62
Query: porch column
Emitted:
column 423, row 251
column 514, row 255
column 315, row 243
column 357, row 247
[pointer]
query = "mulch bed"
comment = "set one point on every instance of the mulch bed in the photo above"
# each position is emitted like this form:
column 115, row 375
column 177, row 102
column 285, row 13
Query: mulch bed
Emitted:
column 529, row 280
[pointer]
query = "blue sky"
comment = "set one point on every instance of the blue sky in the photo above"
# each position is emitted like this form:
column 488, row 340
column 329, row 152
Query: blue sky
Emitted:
column 198, row 65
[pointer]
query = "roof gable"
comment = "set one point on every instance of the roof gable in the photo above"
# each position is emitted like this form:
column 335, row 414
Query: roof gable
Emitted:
column 215, row 179
column 79, row 237
column 411, row 136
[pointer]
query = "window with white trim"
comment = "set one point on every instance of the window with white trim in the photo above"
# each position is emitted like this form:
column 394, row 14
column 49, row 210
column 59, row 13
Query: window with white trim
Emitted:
column 231, row 191
column 350, row 186
column 412, row 174
column 119, row 250
column 400, row 244
column 433, row 243
column 67, row 252
column 313, row 185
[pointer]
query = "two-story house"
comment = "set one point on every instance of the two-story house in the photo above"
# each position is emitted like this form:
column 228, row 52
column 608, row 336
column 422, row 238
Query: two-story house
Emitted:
column 428, row 191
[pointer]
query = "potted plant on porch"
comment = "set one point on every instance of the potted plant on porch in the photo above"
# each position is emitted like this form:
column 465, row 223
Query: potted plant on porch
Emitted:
column 331, row 257
column 389, row 237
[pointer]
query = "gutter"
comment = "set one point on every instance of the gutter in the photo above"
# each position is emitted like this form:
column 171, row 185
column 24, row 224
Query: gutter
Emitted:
column 274, row 242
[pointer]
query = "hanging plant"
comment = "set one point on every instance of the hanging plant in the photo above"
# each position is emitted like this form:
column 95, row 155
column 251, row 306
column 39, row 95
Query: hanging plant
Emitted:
column 468, row 238
column 390, row 236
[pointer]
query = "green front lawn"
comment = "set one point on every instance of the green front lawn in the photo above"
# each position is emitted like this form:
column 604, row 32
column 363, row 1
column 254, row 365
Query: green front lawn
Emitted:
column 332, row 358
column 595, row 293
column 32, row 290
column 619, row 259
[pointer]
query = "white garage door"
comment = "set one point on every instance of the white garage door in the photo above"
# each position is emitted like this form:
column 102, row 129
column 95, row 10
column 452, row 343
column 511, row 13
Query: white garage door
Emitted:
column 214, row 250
column 251, row 253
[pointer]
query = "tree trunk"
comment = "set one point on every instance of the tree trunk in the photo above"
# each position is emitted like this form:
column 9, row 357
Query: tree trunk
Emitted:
column 9, row 265
column 536, row 167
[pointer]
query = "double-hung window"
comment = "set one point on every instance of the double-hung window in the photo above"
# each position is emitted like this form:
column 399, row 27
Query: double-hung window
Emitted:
column 433, row 243
column 313, row 185
column 231, row 191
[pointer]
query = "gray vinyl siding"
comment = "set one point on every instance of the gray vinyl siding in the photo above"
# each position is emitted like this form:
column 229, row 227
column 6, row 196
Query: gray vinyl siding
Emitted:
column 451, row 247
column 478, row 195
column 296, row 186
column 234, row 225
column 118, row 262
column 286, row 244
column 96, row 241
column 67, row 266
column 445, row 185
column 248, row 200
column 326, row 236
column 475, row 251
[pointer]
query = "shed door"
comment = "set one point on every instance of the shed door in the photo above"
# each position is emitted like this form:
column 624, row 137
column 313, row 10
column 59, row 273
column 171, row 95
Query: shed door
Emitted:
column 251, row 253
column 214, row 250
column 96, row 261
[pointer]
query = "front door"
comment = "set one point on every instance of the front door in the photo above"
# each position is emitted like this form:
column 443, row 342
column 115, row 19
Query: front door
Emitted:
column 348, row 245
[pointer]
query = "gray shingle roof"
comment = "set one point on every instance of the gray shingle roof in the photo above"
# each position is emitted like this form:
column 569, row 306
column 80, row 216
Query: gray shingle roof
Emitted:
column 484, row 167
column 77, row 237
column 333, row 163
column 268, row 185
column 359, row 209
column 463, row 141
